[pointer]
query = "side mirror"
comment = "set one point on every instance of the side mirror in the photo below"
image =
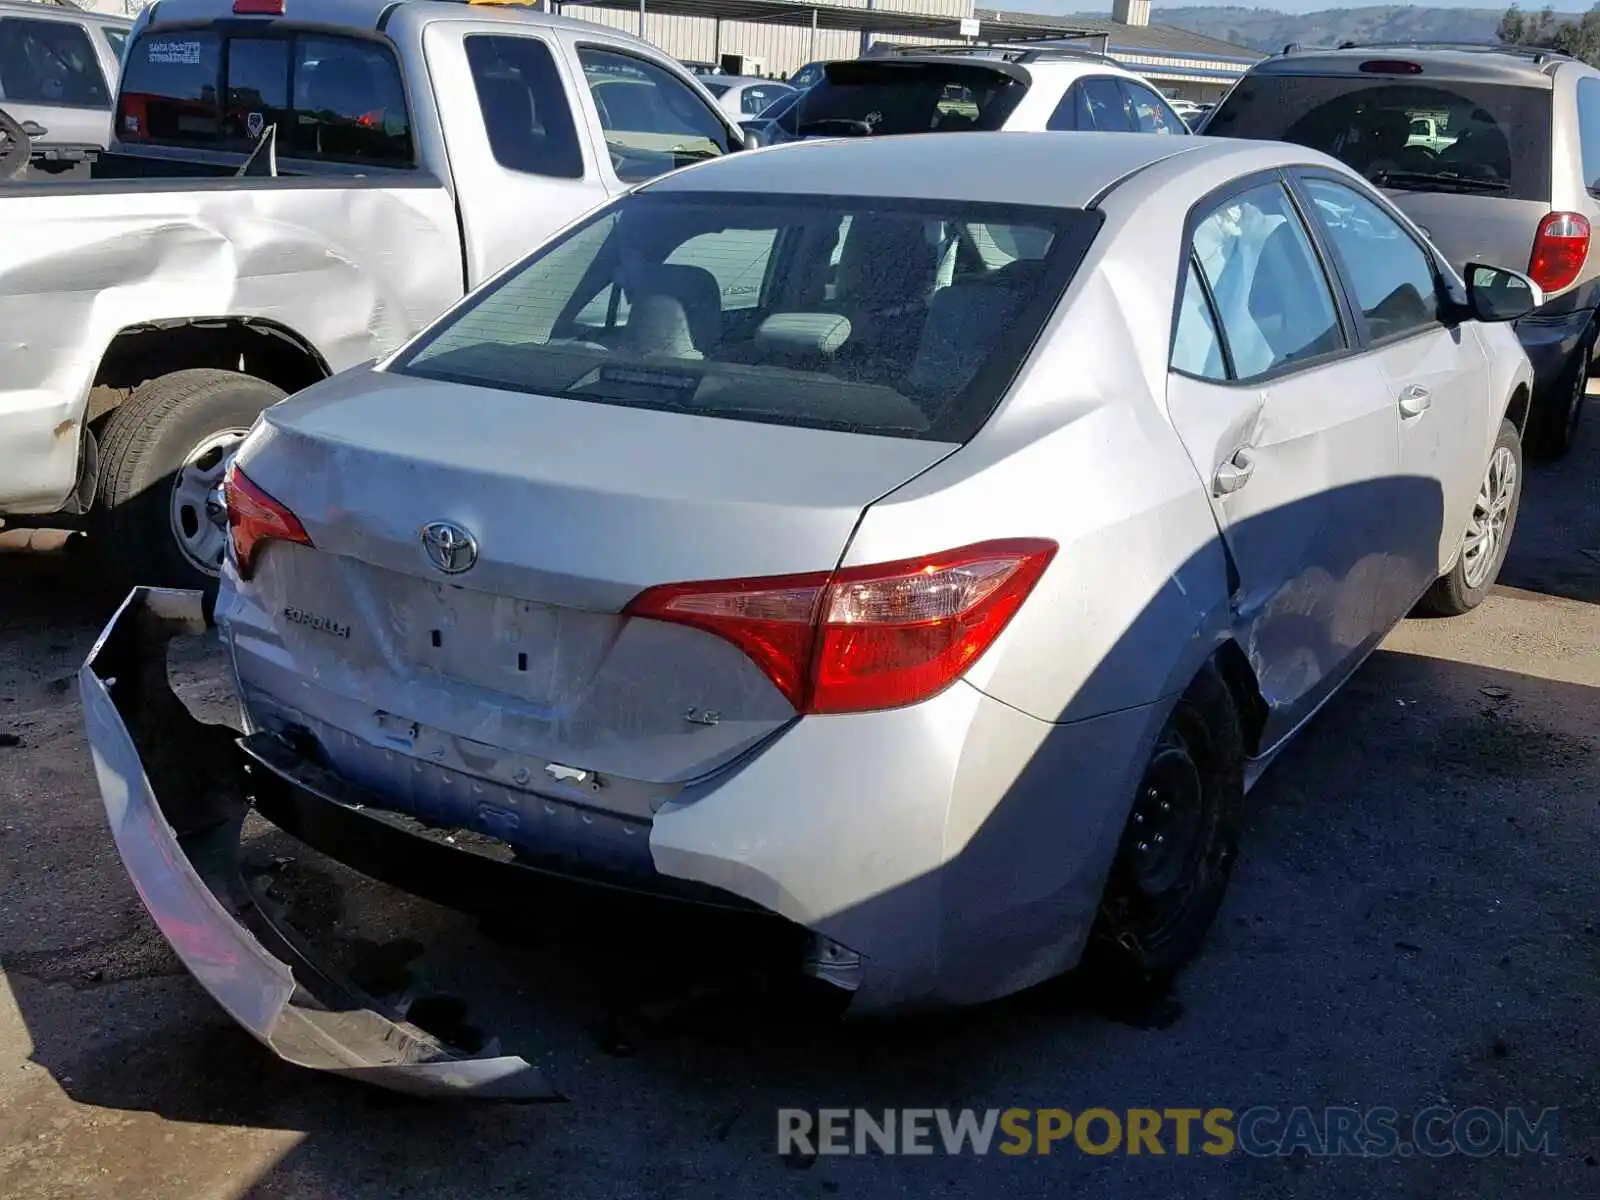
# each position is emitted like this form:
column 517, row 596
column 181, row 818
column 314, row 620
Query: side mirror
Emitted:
column 1496, row 294
column 752, row 140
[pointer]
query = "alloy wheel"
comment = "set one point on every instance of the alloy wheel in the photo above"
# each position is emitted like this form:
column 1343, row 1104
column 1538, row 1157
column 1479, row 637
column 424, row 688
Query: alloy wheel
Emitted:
column 1491, row 511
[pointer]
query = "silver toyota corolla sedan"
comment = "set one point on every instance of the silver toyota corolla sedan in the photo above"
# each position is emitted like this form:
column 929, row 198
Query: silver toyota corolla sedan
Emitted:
column 922, row 541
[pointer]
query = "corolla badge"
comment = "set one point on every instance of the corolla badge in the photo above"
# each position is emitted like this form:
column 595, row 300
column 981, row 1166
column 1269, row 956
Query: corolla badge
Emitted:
column 450, row 547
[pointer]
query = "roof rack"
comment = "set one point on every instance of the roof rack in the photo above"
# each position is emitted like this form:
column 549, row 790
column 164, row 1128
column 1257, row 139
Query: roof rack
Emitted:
column 1005, row 53
column 1539, row 54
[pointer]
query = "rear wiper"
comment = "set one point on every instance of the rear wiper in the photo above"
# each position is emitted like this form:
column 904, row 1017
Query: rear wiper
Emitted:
column 1438, row 182
column 842, row 126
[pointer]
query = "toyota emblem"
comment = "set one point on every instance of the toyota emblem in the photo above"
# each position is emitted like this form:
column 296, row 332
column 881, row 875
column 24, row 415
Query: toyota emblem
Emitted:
column 450, row 547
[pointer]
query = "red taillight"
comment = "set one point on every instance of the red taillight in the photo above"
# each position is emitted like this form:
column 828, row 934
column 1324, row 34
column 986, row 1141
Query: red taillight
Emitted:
column 1391, row 66
column 254, row 518
column 864, row 638
column 258, row 8
column 1559, row 250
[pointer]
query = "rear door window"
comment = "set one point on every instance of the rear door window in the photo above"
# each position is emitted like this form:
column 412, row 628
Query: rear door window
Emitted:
column 897, row 318
column 1149, row 112
column 50, row 62
column 169, row 89
column 653, row 121
column 349, row 103
column 1272, row 298
column 1106, row 104
column 117, row 39
column 338, row 99
column 1072, row 113
column 524, row 106
column 1589, row 131
column 1486, row 139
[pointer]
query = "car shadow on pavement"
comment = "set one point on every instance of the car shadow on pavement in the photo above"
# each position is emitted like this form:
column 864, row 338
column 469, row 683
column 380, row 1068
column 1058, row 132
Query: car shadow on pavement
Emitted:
column 1415, row 890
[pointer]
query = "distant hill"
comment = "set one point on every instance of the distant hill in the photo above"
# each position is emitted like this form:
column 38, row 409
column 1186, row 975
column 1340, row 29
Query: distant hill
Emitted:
column 1267, row 29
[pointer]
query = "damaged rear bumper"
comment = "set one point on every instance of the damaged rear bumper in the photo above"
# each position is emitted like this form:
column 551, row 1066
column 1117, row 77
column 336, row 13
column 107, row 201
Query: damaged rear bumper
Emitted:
column 175, row 799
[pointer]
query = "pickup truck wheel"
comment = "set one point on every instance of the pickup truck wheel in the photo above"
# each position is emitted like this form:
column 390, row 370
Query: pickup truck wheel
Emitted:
column 161, row 465
column 1488, row 533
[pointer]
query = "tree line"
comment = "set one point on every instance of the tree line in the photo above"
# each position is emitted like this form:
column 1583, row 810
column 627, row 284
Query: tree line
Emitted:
column 1577, row 36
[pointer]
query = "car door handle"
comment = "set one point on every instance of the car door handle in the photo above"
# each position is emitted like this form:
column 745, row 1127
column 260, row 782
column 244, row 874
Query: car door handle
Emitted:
column 33, row 129
column 1235, row 473
column 1415, row 400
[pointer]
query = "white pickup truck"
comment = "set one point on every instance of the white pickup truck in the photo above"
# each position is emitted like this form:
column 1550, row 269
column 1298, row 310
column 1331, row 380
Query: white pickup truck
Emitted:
column 420, row 146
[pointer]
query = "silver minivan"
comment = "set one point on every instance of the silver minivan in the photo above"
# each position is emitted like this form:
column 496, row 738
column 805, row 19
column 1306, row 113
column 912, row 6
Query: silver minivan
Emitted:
column 1493, row 150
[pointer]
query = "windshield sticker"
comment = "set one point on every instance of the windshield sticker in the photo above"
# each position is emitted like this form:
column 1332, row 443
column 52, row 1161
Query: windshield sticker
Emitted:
column 172, row 53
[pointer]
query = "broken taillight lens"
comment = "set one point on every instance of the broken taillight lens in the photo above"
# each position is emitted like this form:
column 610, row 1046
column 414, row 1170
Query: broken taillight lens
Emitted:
column 863, row 638
column 255, row 518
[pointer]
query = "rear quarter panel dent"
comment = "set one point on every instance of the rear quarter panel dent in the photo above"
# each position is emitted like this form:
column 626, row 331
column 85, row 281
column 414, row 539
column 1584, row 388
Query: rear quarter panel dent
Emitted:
column 82, row 271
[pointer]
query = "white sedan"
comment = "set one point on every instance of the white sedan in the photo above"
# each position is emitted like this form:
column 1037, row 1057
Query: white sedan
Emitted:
column 745, row 96
column 921, row 542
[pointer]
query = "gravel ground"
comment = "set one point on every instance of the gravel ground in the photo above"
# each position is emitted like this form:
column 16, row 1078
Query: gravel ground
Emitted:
column 1413, row 922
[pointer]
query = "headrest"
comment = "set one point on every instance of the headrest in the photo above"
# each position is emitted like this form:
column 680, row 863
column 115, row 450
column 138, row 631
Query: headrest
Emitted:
column 803, row 333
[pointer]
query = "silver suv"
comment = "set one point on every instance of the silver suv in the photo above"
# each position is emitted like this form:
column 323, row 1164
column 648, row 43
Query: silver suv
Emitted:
column 1493, row 150
column 58, row 73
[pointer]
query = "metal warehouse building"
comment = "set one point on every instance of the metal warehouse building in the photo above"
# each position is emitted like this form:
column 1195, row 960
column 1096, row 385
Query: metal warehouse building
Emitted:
column 775, row 37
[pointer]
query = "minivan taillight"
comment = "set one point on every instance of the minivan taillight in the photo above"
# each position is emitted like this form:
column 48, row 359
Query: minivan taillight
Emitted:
column 863, row 638
column 255, row 518
column 1559, row 250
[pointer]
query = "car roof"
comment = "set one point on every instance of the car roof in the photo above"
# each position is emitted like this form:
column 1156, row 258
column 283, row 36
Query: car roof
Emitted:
column 1525, row 66
column 742, row 80
column 1058, row 170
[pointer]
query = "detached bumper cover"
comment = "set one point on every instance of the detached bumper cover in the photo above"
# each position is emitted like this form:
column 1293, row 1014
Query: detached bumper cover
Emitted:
column 176, row 804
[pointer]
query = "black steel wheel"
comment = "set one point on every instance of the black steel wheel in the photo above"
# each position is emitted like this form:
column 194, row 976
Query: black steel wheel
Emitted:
column 1178, row 846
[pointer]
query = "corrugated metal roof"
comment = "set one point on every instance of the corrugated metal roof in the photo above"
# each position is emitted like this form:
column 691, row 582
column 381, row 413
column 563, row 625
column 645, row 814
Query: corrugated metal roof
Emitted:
column 995, row 26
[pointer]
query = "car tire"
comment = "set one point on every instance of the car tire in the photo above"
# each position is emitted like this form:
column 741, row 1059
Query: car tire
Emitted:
column 1178, row 846
column 162, row 452
column 1463, row 588
column 1553, row 426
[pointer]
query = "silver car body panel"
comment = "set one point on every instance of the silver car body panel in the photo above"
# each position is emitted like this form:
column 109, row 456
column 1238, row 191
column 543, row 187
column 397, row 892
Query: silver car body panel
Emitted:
column 958, row 845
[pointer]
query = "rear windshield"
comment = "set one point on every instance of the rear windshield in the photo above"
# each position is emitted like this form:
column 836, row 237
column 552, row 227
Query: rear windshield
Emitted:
column 873, row 97
column 339, row 99
column 1474, row 138
column 885, row 317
